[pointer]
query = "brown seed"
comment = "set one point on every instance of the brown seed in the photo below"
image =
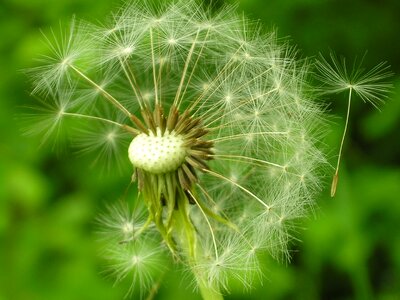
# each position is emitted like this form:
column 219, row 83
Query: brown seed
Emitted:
column 190, row 197
column 148, row 119
column 182, row 118
column 196, row 163
column 139, row 124
column 182, row 126
column 192, row 124
column 185, row 183
column 203, row 152
column 140, row 179
column 159, row 118
column 172, row 118
column 197, row 133
column 190, row 173
column 203, row 144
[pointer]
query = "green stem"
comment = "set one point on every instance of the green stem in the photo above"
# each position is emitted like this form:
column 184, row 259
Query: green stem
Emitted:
column 187, row 240
column 208, row 293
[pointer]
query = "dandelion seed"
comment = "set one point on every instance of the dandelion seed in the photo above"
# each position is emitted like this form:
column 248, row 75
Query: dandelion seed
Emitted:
column 371, row 86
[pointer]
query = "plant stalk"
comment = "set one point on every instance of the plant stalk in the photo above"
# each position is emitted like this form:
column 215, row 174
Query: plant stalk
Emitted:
column 208, row 293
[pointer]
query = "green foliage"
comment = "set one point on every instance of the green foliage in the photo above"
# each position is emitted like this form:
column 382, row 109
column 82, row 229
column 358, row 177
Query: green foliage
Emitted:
column 48, row 205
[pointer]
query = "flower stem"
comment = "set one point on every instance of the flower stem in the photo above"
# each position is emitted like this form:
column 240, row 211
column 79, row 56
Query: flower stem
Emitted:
column 208, row 293
column 186, row 238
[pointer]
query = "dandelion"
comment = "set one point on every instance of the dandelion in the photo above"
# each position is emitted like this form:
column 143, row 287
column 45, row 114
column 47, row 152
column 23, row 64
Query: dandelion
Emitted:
column 220, row 127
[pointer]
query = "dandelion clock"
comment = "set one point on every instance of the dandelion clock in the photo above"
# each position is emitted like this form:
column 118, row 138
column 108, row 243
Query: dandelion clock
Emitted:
column 217, row 122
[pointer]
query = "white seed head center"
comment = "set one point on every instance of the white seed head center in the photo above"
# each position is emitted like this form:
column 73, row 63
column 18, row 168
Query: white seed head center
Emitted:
column 160, row 153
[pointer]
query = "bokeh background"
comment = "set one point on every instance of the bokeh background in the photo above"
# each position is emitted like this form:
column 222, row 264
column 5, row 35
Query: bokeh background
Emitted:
column 350, row 247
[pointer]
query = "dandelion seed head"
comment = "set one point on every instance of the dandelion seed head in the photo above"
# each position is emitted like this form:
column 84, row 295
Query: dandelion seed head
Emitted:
column 215, row 122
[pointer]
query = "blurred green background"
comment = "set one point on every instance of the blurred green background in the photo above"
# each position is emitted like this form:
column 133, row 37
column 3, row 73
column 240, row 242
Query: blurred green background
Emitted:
column 350, row 248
